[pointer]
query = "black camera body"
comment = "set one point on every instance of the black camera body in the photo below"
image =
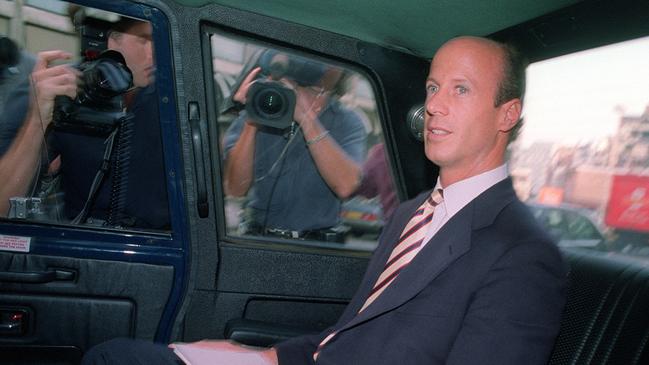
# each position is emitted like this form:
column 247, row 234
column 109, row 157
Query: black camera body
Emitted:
column 98, row 107
column 270, row 103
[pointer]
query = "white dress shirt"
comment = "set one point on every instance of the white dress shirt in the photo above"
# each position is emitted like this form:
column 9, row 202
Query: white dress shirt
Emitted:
column 461, row 193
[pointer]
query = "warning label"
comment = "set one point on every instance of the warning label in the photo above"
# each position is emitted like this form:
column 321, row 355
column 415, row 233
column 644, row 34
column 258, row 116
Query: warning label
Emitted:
column 14, row 243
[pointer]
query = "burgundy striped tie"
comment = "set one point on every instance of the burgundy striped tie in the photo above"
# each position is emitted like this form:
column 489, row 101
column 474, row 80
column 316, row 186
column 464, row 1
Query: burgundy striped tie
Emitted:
column 409, row 244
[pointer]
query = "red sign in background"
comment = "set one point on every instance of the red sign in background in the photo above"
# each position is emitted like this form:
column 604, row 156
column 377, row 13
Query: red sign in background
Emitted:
column 628, row 205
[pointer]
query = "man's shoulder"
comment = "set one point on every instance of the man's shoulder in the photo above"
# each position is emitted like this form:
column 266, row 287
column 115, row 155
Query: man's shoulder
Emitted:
column 516, row 226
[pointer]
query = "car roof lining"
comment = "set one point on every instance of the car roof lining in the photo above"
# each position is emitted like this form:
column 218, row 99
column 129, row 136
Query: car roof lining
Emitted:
column 417, row 27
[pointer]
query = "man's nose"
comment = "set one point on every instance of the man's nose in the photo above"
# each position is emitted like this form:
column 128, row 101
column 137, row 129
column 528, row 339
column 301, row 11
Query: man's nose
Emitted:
column 436, row 104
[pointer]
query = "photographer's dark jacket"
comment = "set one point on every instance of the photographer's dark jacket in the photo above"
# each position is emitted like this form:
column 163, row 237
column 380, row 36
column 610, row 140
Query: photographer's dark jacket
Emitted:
column 146, row 192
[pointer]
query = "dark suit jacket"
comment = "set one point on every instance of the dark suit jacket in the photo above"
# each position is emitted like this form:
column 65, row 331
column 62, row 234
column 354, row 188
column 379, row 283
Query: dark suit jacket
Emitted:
column 489, row 288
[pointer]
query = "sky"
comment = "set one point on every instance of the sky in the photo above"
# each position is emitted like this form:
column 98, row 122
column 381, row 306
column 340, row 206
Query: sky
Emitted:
column 576, row 98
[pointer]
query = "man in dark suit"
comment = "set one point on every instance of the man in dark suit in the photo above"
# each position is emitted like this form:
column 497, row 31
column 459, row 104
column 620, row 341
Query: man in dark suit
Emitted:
column 488, row 287
column 481, row 283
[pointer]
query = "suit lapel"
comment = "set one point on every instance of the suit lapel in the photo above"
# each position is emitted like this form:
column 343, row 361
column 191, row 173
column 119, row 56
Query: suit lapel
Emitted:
column 451, row 242
column 390, row 237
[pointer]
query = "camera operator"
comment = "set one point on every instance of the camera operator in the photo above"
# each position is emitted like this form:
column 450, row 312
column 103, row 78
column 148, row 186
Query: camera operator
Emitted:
column 295, row 177
column 83, row 153
column 145, row 201
column 76, row 155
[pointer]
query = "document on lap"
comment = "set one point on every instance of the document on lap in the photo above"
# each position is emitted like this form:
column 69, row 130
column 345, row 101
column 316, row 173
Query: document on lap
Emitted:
column 193, row 355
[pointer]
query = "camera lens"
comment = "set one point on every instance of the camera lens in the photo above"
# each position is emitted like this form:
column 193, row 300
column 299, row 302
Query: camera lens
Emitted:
column 270, row 103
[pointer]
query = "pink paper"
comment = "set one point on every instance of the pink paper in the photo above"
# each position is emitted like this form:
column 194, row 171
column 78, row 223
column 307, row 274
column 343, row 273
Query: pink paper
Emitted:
column 193, row 355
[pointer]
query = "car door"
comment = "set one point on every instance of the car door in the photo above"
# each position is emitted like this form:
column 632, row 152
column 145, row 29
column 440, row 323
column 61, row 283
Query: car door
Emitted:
column 66, row 286
column 261, row 287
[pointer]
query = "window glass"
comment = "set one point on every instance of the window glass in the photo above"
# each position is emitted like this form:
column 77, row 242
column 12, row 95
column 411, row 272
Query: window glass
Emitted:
column 101, row 162
column 582, row 159
column 302, row 147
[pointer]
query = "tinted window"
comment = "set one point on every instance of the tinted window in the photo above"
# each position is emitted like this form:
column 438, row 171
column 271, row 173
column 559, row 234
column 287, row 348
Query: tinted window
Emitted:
column 302, row 147
column 582, row 159
column 101, row 160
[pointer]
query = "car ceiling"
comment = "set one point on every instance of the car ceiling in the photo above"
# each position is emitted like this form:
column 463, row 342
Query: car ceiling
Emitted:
column 418, row 27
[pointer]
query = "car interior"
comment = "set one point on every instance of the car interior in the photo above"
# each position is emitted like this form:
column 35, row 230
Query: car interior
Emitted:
column 66, row 286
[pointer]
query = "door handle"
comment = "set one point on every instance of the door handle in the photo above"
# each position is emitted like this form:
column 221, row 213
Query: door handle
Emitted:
column 199, row 164
column 35, row 277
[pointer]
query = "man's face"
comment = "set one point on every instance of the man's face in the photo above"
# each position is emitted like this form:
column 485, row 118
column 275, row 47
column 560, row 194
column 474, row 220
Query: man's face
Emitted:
column 464, row 131
column 137, row 48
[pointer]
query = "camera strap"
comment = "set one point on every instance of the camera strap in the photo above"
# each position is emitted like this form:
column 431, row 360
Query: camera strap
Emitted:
column 99, row 178
column 120, row 166
column 294, row 132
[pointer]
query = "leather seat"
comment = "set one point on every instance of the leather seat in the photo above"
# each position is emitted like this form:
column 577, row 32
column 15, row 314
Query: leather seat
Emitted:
column 606, row 319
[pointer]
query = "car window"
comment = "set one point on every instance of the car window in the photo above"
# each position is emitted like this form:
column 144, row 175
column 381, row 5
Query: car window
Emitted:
column 582, row 159
column 303, row 156
column 101, row 161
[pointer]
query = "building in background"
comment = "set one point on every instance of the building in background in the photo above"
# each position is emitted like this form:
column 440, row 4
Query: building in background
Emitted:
column 38, row 25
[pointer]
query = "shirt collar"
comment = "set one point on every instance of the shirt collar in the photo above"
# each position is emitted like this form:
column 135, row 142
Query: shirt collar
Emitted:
column 461, row 193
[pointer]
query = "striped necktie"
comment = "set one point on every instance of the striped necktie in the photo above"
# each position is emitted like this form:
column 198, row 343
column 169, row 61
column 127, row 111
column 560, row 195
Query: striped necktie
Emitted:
column 410, row 243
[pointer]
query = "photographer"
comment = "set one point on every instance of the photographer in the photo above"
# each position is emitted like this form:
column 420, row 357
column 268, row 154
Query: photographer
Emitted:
column 142, row 181
column 295, row 177
column 85, row 168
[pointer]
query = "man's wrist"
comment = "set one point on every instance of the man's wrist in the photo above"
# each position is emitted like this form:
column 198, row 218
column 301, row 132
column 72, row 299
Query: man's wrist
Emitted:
column 317, row 138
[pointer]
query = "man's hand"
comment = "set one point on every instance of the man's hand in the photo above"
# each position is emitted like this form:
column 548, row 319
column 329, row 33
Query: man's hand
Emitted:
column 49, row 82
column 308, row 104
column 242, row 91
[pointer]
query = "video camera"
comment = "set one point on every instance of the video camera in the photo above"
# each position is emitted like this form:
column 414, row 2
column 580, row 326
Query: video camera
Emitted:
column 270, row 102
column 99, row 105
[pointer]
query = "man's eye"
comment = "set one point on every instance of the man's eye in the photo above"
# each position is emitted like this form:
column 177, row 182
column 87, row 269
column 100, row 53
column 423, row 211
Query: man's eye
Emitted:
column 461, row 90
column 431, row 89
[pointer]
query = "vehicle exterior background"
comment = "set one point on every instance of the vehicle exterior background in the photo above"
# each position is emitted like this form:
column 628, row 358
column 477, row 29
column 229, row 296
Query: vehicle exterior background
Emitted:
column 569, row 226
column 363, row 216
column 65, row 288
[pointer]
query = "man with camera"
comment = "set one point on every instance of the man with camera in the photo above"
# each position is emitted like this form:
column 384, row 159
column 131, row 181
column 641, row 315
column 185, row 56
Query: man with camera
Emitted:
column 142, row 204
column 296, row 151
column 78, row 148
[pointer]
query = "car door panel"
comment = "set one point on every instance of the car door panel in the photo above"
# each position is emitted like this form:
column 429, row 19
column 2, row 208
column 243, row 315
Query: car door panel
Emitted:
column 94, row 300
column 288, row 292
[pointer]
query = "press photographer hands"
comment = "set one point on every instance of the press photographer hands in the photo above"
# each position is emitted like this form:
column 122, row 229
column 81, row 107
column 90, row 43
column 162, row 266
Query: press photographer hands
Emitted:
column 242, row 92
column 48, row 82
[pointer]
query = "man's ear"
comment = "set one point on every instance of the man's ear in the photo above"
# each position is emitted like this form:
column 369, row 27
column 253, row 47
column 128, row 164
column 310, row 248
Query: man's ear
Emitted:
column 511, row 114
